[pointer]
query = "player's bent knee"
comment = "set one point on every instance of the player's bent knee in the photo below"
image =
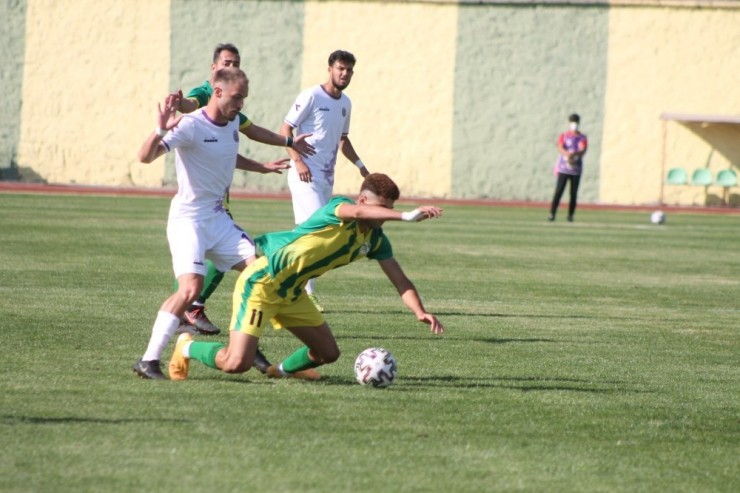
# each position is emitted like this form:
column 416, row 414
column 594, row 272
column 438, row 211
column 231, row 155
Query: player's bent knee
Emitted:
column 235, row 366
column 189, row 297
column 328, row 357
column 190, row 292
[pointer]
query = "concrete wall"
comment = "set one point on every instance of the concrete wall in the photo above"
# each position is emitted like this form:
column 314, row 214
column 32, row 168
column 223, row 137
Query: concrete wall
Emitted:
column 92, row 73
column 452, row 99
column 520, row 71
column 665, row 60
column 12, row 27
column 269, row 36
column 402, row 90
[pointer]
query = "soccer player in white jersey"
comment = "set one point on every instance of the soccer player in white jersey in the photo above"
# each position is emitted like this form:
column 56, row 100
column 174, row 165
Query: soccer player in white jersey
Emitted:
column 206, row 145
column 227, row 55
column 323, row 111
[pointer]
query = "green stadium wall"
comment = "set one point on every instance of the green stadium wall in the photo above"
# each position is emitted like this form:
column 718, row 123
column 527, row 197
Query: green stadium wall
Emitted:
column 12, row 27
column 520, row 72
column 452, row 99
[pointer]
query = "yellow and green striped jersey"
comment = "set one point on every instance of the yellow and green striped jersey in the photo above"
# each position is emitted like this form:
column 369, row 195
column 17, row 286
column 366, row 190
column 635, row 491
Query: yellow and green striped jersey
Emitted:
column 321, row 243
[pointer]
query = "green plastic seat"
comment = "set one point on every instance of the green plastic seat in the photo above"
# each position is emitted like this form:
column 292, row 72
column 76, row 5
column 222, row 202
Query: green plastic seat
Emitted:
column 702, row 177
column 677, row 176
column 726, row 178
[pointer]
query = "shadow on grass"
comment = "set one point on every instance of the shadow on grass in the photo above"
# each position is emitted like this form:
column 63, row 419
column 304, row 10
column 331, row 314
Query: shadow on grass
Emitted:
column 413, row 384
column 442, row 313
column 507, row 340
column 426, row 336
column 38, row 420
column 538, row 384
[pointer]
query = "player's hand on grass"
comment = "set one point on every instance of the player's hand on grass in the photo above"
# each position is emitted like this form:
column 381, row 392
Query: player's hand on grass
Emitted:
column 435, row 326
column 302, row 147
column 421, row 213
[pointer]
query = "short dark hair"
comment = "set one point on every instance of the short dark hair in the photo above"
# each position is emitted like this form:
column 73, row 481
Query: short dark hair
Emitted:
column 229, row 75
column 224, row 47
column 381, row 185
column 574, row 118
column 342, row 56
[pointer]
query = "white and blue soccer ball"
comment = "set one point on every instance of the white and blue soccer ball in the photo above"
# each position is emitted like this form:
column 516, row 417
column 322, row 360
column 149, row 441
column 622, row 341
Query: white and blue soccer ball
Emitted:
column 657, row 217
column 375, row 366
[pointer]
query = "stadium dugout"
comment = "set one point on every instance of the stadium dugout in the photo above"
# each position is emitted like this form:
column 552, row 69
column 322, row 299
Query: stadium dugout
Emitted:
column 719, row 133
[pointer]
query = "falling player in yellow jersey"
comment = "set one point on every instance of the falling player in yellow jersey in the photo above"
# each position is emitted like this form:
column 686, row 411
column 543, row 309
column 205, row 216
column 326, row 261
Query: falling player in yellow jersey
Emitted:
column 272, row 288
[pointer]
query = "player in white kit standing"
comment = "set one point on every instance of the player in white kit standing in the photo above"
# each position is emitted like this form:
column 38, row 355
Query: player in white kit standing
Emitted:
column 324, row 111
column 206, row 145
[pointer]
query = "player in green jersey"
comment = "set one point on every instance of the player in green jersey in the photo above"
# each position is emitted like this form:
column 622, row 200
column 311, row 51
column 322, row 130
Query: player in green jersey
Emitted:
column 272, row 288
column 227, row 55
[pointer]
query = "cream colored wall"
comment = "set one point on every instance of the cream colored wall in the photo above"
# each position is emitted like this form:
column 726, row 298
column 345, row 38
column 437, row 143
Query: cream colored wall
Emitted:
column 405, row 66
column 663, row 60
column 91, row 68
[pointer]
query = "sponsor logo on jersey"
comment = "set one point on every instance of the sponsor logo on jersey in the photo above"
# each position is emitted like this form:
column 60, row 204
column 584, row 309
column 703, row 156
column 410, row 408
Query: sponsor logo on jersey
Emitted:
column 364, row 248
column 236, row 136
column 212, row 139
column 324, row 109
column 344, row 111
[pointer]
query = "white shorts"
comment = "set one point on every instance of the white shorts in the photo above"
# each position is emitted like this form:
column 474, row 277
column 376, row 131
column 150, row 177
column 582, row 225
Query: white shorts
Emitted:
column 218, row 238
column 308, row 197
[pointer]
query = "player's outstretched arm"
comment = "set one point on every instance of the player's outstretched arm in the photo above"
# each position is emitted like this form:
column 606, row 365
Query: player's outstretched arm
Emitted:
column 246, row 164
column 189, row 104
column 410, row 295
column 167, row 119
column 365, row 212
column 265, row 136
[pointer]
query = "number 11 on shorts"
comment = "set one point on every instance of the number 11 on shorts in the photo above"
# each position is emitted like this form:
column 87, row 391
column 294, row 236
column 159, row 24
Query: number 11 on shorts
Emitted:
column 255, row 320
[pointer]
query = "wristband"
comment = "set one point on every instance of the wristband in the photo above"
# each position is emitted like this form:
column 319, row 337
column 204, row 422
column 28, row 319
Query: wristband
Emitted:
column 412, row 216
column 359, row 164
column 160, row 132
column 289, row 141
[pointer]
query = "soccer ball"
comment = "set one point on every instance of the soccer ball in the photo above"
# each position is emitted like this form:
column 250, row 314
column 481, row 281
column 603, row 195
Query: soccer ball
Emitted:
column 375, row 366
column 657, row 217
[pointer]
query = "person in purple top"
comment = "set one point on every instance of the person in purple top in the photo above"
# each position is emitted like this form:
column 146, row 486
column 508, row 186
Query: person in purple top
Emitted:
column 572, row 145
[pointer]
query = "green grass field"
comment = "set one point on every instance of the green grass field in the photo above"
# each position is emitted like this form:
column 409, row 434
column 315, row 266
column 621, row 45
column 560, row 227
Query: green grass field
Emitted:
column 595, row 356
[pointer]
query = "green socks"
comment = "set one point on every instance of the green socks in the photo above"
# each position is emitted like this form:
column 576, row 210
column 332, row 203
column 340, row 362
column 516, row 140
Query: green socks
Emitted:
column 297, row 361
column 205, row 352
column 210, row 283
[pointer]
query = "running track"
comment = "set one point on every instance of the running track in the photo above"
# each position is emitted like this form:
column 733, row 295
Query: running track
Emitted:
column 41, row 188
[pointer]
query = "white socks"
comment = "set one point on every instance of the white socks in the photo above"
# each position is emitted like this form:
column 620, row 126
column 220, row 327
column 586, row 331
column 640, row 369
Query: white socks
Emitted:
column 164, row 328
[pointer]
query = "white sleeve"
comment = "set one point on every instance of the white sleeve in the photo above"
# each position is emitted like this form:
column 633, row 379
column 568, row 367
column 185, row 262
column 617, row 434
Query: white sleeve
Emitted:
column 181, row 135
column 300, row 110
